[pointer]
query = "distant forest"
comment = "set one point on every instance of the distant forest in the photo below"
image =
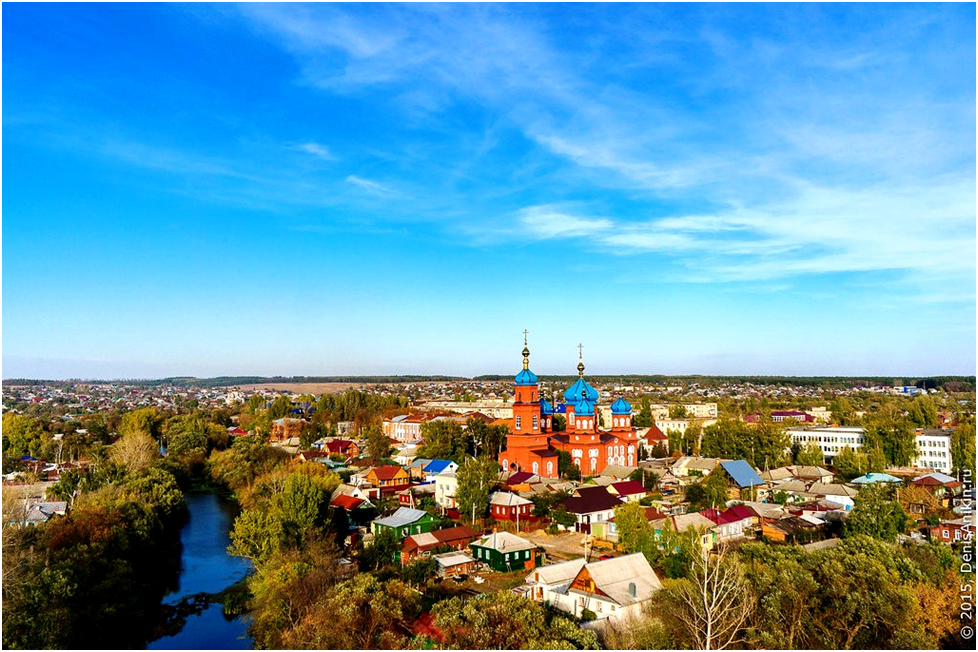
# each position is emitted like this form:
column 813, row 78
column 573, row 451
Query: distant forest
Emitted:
column 951, row 383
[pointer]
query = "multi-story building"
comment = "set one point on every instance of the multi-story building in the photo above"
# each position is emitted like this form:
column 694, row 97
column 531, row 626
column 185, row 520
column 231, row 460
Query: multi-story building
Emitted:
column 934, row 449
column 933, row 445
column 404, row 427
column 830, row 439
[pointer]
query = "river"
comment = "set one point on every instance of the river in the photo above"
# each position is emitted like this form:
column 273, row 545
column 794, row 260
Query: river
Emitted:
column 206, row 567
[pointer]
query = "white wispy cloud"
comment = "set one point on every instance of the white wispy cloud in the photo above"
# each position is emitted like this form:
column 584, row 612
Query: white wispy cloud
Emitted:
column 799, row 154
column 372, row 187
column 315, row 149
column 547, row 222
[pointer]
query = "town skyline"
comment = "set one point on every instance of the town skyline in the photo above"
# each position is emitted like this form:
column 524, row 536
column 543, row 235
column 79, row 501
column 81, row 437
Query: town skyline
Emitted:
column 207, row 190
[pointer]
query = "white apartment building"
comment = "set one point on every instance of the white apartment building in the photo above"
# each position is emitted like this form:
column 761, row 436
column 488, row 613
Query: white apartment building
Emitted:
column 830, row 440
column 934, row 450
column 933, row 446
column 693, row 410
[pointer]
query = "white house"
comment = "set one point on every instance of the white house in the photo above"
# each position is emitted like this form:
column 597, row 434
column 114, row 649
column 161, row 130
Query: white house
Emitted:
column 446, row 486
column 612, row 589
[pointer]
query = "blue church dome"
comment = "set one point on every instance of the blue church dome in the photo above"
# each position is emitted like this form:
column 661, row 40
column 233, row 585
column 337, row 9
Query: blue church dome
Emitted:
column 573, row 393
column 526, row 377
column 584, row 407
column 621, row 406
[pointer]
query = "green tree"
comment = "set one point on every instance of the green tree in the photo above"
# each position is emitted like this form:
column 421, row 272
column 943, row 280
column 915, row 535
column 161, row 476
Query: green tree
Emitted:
column 923, row 412
column 147, row 421
column 843, row 412
column 785, row 593
column 963, row 450
column 476, row 478
column 635, row 533
column 677, row 411
column 378, row 444
column 444, row 440
column 559, row 423
column 865, row 598
column 810, row 455
column 893, row 434
column 505, row 621
column 850, row 464
column 711, row 492
column 383, row 550
column 876, row 514
column 761, row 444
column 643, row 419
column 22, row 435
column 360, row 614
column 566, row 467
column 419, row 571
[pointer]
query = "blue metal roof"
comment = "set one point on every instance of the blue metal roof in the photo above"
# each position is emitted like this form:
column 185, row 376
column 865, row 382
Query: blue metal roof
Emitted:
column 545, row 407
column 580, row 386
column 870, row 478
column 621, row 406
column 526, row 377
column 437, row 466
column 742, row 473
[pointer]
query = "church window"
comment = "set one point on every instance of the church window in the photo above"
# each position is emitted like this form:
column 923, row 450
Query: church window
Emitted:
column 536, row 467
column 594, row 464
column 536, row 422
column 517, row 422
column 550, row 468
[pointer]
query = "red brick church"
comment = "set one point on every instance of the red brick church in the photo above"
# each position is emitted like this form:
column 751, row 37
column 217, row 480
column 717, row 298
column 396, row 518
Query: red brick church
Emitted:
column 532, row 445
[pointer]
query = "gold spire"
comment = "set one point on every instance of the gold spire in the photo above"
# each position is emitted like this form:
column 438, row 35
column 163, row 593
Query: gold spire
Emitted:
column 580, row 363
column 526, row 351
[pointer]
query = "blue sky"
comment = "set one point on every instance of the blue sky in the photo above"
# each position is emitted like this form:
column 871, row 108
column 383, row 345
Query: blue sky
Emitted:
column 358, row 189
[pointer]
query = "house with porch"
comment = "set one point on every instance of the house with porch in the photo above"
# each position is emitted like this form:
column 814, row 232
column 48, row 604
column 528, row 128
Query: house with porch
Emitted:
column 611, row 589
column 591, row 505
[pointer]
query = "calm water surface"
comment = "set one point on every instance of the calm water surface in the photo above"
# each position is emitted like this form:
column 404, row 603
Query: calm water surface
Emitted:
column 207, row 568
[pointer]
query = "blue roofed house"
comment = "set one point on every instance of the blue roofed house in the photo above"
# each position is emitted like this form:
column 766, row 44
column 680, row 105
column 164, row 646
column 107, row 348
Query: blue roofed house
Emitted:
column 743, row 480
column 434, row 467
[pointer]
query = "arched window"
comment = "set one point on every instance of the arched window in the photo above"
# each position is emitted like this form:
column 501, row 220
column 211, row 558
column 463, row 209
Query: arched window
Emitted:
column 550, row 469
column 536, row 467
column 616, row 421
column 518, row 422
column 594, row 464
column 629, row 460
column 505, row 464
column 536, row 422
